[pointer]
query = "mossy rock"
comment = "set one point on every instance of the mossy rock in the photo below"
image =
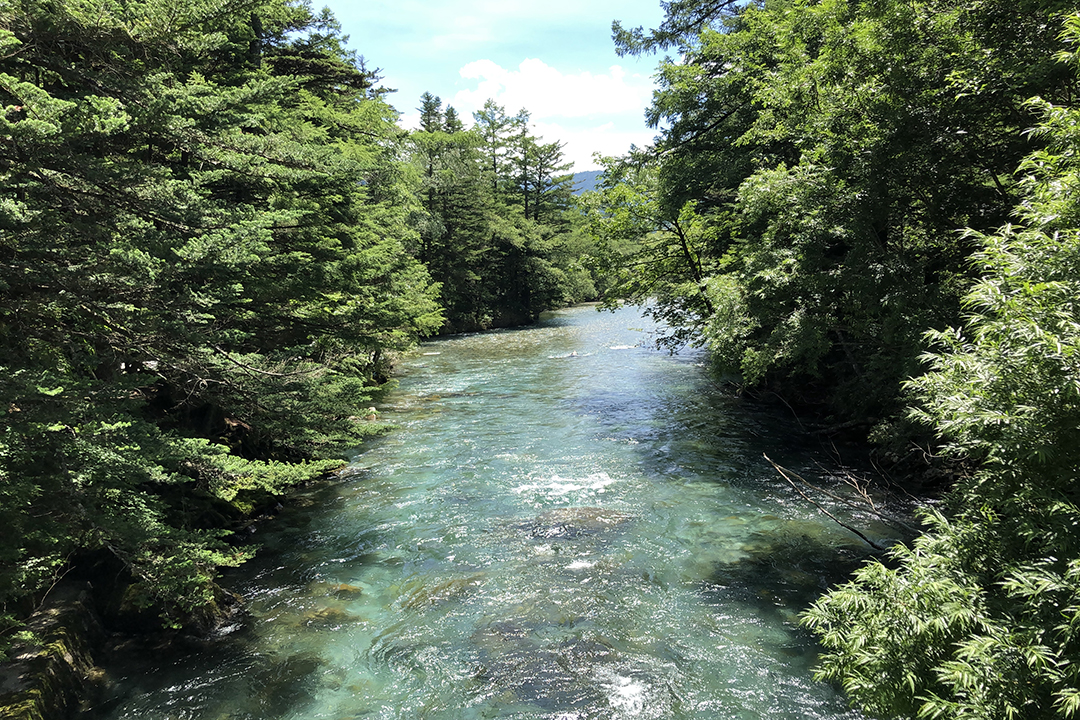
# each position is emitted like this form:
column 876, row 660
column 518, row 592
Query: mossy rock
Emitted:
column 54, row 675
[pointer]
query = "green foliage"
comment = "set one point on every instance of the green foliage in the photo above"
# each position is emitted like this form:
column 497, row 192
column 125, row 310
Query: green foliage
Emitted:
column 491, row 207
column 202, row 272
column 684, row 20
column 831, row 150
column 238, row 480
column 651, row 255
column 980, row 619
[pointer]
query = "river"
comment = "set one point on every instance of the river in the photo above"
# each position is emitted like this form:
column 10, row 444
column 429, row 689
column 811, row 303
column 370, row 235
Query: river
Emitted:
column 567, row 525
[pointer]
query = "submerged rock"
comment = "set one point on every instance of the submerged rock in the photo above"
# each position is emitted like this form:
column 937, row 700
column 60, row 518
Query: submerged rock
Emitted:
column 422, row 592
column 284, row 683
column 341, row 591
column 555, row 676
column 573, row 522
column 330, row 617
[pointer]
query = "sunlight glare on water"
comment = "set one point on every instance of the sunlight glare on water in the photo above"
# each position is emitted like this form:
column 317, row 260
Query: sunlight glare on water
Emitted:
column 567, row 525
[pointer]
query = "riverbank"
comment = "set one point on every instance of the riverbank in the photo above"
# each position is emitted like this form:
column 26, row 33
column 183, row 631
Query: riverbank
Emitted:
column 52, row 673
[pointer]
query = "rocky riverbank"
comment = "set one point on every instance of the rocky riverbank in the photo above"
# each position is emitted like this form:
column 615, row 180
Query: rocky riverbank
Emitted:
column 95, row 610
column 51, row 676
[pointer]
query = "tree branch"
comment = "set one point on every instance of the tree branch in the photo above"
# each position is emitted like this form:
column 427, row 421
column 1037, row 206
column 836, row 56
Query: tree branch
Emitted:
column 815, row 503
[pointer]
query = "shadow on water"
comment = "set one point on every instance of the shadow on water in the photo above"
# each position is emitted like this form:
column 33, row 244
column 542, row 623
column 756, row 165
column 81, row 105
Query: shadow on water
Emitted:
column 567, row 526
column 785, row 572
column 246, row 682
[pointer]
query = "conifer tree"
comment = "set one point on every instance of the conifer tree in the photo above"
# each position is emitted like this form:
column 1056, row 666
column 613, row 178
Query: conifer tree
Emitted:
column 495, row 128
column 202, row 271
column 494, row 227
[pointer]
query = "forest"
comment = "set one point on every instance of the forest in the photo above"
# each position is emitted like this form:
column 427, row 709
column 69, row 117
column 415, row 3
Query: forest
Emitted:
column 215, row 236
column 871, row 209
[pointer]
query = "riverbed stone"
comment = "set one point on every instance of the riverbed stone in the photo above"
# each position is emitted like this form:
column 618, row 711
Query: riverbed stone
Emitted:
column 421, row 593
column 341, row 591
column 330, row 617
column 572, row 522
column 554, row 675
column 284, row 683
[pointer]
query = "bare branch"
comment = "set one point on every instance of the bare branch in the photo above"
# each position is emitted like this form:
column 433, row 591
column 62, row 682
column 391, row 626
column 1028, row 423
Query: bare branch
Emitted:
column 228, row 356
column 815, row 503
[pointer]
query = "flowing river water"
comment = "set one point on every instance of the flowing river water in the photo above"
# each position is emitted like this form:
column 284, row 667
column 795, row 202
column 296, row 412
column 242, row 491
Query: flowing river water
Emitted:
column 568, row 525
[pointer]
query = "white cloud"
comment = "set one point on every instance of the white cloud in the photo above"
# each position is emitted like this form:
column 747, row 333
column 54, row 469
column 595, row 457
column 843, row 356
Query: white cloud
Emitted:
column 580, row 98
column 589, row 113
column 582, row 142
column 547, row 93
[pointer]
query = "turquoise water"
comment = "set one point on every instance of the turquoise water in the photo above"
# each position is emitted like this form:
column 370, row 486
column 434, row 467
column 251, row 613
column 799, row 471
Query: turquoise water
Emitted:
column 568, row 525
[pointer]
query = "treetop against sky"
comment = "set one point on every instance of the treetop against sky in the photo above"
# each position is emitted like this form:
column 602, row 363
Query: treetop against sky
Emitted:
column 555, row 59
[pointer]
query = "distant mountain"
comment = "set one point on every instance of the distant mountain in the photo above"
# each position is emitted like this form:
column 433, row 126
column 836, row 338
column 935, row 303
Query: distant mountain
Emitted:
column 586, row 180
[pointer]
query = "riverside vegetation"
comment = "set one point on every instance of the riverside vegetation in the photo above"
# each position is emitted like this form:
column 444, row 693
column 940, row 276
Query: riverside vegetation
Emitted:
column 869, row 207
column 214, row 234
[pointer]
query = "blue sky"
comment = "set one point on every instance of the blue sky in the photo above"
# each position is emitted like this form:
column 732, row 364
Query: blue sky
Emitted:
column 555, row 58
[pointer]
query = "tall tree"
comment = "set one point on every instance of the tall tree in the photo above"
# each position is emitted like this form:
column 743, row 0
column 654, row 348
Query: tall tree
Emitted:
column 495, row 128
column 494, row 227
column 201, row 269
column 455, row 225
column 551, row 183
column 835, row 148
column 522, row 160
column 431, row 113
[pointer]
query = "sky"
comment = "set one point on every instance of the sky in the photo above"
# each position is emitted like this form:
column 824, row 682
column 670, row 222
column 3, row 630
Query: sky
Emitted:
column 554, row 58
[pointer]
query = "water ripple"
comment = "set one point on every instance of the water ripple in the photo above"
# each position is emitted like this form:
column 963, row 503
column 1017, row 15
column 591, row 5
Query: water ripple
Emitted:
column 568, row 526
